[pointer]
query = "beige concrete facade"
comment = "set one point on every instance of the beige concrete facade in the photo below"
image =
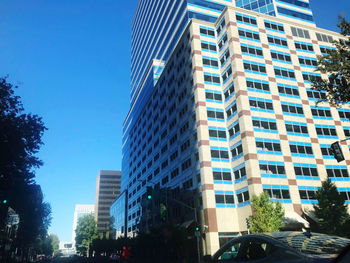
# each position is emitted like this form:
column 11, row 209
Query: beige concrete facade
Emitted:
column 219, row 221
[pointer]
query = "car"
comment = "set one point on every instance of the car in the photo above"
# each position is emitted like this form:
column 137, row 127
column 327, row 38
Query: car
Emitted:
column 286, row 247
column 114, row 257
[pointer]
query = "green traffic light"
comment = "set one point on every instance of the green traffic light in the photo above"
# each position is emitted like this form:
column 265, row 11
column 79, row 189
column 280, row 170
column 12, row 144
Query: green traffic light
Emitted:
column 4, row 201
column 149, row 197
column 197, row 228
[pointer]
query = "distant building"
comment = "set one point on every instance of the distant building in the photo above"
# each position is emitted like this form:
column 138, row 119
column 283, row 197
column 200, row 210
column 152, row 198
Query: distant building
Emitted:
column 80, row 211
column 107, row 190
column 118, row 215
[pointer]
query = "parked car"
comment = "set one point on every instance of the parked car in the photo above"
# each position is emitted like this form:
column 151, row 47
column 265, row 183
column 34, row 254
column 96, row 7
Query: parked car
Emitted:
column 286, row 247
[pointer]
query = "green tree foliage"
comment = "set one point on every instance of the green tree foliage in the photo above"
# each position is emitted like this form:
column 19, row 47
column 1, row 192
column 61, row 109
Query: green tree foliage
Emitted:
column 86, row 232
column 55, row 243
column 337, row 65
column 267, row 216
column 20, row 141
column 331, row 210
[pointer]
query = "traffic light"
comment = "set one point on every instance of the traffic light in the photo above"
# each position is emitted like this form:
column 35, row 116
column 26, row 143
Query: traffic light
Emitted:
column 196, row 227
column 149, row 192
column 337, row 152
column 248, row 222
column 4, row 201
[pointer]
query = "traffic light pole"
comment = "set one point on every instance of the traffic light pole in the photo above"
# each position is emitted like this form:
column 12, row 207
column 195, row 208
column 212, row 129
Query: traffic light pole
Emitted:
column 196, row 222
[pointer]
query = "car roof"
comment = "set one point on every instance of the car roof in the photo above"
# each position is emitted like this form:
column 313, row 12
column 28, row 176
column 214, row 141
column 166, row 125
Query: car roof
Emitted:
column 310, row 243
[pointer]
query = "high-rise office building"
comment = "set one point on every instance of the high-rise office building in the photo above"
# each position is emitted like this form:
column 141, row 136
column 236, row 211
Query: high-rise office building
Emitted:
column 107, row 190
column 79, row 212
column 230, row 113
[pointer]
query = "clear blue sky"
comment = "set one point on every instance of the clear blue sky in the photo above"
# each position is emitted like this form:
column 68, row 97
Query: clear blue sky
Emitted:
column 71, row 59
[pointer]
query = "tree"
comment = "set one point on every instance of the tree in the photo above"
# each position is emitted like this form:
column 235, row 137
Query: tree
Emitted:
column 337, row 64
column 86, row 232
column 330, row 209
column 55, row 242
column 267, row 216
column 20, row 141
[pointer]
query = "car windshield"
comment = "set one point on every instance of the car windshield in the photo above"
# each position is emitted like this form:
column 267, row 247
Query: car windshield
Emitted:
column 314, row 244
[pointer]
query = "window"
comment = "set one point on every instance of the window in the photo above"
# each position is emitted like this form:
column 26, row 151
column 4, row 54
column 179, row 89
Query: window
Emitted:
column 186, row 164
column 227, row 74
column 222, row 174
column 242, row 195
column 267, row 146
column 237, row 151
column 272, row 169
column 162, row 136
column 232, row 110
column 301, row 149
column 251, row 50
column 240, row 173
column 234, row 130
column 288, row 90
column 184, row 128
column 222, row 41
column 345, row 193
column 174, row 173
column 248, row 34
column 310, row 77
column 277, row 41
column 185, row 145
column 208, row 46
column 258, row 85
column 173, row 156
column 326, row 50
column 165, row 180
column 296, row 128
column 230, row 90
column 321, row 112
column 258, row 104
column 305, row 171
column 164, row 148
column 220, row 27
column 210, row 62
column 302, row 46
column 172, row 124
column 346, row 131
column 298, row 32
column 326, row 131
column 219, row 154
column 308, row 194
column 292, row 109
column 206, row 31
column 173, row 139
column 284, row 73
column 326, row 151
column 254, row 67
column 217, row 134
column 213, row 96
column 344, row 114
column 307, row 62
column 264, row 125
column 316, row 95
column 215, row 114
column 164, row 164
column 246, row 19
column 225, row 57
column 210, row 78
column 277, row 192
column 324, row 38
column 281, row 57
column 224, row 199
column 273, row 26
column 337, row 173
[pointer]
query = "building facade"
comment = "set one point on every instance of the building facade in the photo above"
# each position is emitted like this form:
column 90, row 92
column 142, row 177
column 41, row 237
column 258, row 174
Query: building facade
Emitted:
column 158, row 25
column 107, row 190
column 79, row 212
column 231, row 115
